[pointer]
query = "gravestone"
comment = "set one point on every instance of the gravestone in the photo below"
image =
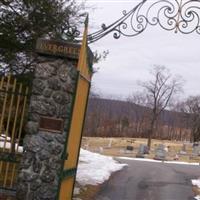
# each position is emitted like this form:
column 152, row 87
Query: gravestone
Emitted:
column 121, row 151
column 160, row 153
column 196, row 149
column 130, row 148
column 184, row 147
column 183, row 150
column 101, row 149
column 110, row 143
column 143, row 149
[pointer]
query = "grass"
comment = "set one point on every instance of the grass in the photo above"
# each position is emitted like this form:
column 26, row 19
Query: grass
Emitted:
column 118, row 147
column 88, row 192
column 196, row 190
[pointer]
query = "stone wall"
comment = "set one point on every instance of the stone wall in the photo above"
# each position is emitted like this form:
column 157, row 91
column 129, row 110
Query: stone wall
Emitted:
column 52, row 95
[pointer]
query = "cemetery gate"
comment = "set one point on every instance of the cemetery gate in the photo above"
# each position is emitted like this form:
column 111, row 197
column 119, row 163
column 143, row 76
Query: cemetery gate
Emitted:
column 52, row 130
column 13, row 104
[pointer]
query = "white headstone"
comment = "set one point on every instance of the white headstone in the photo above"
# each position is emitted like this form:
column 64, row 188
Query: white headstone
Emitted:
column 110, row 143
column 101, row 149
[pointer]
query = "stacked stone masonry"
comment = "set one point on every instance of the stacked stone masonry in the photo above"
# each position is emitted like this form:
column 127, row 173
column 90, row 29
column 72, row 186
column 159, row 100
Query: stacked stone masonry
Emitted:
column 52, row 95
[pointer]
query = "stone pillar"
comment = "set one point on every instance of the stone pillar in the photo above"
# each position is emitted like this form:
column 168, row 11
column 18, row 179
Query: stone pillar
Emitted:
column 53, row 90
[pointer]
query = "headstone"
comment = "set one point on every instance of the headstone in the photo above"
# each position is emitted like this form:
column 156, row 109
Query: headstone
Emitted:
column 110, row 143
column 121, row 151
column 130, row 148
column 160, row 153
column 166, row 148
column 87, row 145
column 183, row 150
column 76, row 191
column 183, row 147
column 196, row 149
column 143, row 149
column 101, row 149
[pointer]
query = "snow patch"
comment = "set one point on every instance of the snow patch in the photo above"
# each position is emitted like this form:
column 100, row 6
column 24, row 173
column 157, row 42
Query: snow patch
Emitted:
column 196, row 182
column 151, row 160
column 181, row 163
column 197, row 197
column 94, row 168
column 139, row 159
column 5, row 142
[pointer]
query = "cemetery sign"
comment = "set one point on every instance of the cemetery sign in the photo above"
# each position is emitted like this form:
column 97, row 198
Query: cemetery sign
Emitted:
column 58, row 48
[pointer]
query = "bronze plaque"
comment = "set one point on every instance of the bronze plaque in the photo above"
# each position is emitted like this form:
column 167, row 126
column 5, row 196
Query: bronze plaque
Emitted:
column 49, row 124
column 58, row 48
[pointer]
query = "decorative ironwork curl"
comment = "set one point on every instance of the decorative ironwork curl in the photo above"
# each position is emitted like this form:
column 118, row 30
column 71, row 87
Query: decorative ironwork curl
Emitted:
column 72, row 32
column 178, row 15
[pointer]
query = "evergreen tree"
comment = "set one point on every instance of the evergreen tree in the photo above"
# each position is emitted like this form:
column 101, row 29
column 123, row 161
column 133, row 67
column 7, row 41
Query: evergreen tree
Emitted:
column 22, row 22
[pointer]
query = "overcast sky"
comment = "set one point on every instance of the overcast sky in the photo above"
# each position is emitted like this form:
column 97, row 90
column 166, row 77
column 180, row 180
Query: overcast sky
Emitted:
column 130, row 59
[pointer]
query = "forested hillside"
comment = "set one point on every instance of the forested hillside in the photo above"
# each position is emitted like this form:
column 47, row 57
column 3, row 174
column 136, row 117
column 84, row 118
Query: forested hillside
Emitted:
column 116, row 118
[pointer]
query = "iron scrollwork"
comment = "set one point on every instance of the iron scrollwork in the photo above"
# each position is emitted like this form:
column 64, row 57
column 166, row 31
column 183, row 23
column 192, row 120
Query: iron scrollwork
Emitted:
column 178, row 15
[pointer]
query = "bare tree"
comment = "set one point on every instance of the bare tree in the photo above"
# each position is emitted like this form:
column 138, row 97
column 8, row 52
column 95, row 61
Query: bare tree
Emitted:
column 191, row 107
column 159, row 92
column 180, row 124
column 138, row 103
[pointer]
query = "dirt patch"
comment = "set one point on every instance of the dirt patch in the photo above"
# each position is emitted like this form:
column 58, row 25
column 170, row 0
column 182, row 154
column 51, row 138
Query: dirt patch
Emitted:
column 196, row 190
column 87, row 192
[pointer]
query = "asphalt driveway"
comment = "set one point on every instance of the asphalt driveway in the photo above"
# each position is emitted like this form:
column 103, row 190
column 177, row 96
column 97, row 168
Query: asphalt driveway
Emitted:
column 142, row 180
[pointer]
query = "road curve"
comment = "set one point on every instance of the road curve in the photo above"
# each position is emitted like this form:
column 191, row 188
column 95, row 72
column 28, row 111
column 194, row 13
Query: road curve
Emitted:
column 142, row 180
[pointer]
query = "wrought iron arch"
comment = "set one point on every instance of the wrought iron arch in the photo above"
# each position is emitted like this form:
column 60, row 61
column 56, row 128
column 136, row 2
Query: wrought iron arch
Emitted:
column 172, row 15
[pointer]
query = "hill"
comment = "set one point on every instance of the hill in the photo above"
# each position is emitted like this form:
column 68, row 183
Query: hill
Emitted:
column 108, row 117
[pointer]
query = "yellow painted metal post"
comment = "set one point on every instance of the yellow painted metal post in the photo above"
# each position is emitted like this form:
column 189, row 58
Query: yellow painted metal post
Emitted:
column 78, row 115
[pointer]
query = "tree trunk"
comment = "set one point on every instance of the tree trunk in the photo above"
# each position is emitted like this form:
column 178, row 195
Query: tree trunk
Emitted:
column 149, row 141
column 151, row 132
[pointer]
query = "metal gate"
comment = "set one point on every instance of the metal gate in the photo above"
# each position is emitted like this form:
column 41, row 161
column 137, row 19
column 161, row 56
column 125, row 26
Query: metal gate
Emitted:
column 13, row 102
column 77, row 121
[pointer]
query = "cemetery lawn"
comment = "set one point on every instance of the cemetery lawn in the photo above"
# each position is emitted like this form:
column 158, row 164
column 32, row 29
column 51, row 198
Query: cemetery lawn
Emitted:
column 116, row 147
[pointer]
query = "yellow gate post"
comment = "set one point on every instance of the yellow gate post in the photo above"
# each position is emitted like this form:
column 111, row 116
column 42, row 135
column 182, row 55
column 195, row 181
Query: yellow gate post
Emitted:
column 77, row 122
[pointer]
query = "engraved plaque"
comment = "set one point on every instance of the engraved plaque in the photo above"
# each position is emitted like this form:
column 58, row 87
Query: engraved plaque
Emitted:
column 49, row 124
column 62, row 49
column 58, row 48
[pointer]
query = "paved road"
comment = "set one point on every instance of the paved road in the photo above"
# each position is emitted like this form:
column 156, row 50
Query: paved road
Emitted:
column 150, row 181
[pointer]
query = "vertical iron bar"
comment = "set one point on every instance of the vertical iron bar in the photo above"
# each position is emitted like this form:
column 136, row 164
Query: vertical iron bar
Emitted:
column 9, row 114
column 7, row 130
column 3, row 110
column 22, row 117
column 6, row 174
column 13, row 175
column 13, row 135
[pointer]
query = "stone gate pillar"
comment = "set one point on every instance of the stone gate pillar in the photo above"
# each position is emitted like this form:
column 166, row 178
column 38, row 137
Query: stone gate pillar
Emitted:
column 51, row 103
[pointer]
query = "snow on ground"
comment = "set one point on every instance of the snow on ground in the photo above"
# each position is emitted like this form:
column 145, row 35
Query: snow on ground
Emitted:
column 197, row 197
column 139, row 159
column 7, row 144
column 94, row 168
column 151, row 160
column 196, row 182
